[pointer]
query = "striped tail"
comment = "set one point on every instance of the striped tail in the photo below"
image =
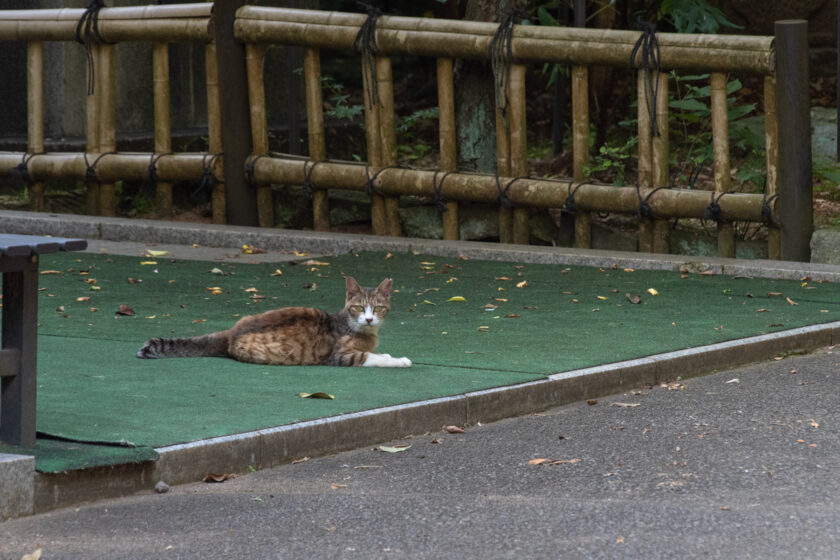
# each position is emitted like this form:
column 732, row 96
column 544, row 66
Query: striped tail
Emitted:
column 215, row 344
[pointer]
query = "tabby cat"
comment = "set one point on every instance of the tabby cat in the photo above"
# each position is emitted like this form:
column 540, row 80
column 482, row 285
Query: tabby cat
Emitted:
column 297, row 335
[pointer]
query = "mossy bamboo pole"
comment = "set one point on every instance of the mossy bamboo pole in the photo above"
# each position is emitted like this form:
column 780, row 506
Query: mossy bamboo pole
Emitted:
column 379, row 224
column 92, row 133
column 538, row 193
column 661, row 176
column 518, row 147
column 163, row 139
column 106, row 83
column 457, row 39
column 720, row 140
column 448, row 141
column 771, row 141
column 388, row 138
column 503, row 169
column 35, row 115
column 214, row 128
column 317, row 142
column 645, row 168
column 580, row 149
column 254, row 59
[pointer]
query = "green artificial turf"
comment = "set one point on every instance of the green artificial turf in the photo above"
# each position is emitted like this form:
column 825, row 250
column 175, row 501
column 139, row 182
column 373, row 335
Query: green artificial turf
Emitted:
column 517, row 323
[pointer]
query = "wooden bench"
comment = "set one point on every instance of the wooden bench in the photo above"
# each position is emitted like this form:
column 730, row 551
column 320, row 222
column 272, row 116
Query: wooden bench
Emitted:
column 19, row 255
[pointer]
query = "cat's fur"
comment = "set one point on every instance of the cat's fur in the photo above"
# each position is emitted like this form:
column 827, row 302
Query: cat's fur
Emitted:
column 297, row 335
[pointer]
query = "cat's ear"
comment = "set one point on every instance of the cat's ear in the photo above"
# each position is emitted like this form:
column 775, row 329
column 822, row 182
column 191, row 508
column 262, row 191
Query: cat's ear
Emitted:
column 353, row 287
column 385, row 287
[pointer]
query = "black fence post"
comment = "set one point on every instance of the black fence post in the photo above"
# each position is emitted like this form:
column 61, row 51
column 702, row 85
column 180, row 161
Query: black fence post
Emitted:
column 794, row 116
column 241, row 197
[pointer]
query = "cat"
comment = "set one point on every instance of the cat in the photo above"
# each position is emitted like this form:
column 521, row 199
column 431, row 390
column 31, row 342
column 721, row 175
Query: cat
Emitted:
column 297, row 335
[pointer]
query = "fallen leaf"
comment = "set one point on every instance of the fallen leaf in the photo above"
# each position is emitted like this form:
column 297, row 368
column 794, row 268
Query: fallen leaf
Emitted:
column 198, row 321
column 83, row 298
column 152, row 253
column 95, row 288
column 147, row 263
column 653, row 292
column 51, row 272
column 94, row 309
column 522, row 284
column 773, row 294
column 454, row 429
column 733, row 380
column 490, row 306
column 512, row 316
column 592, row 402
column 216, row 271
column 553, row 461
column 483, row 328
column 335, row 486
column 719, row 328
column 501, row 278
column 301, row 460
column 212, row 477
column 427, row 302
column 251, row 290
column 814, row 423
column 318, row 395
column 762, row 310
column 790, row 301
column 602, row 298
column 629, row 270
column 133, row 280
column 393, row 449
column 625, row 405
column 437, row 440
column 538, row 461
column 672, row 385
column 300, row 254
column 214, row 290
column 312, row 262
column 389, row 256
column 636, row 300
column 457, row 298
column 277, row 272
column 709, row 272
column 34, row 555
column 124, row 310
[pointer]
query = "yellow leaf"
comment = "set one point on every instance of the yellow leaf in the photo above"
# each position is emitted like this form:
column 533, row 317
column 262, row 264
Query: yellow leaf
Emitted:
column 602, row 298
column 251, row 290
column 300, row 254
column 389, row 256
column 427, row 302
column 277, row 272
column 483, row 329
column 457, row 298
column 146, row 263
column 313, row 262
column 152, row 253
column 424, row 263
column 318, row 395
column 50, row 272
column 522, row 284
column 653, row 292
column 95, row 288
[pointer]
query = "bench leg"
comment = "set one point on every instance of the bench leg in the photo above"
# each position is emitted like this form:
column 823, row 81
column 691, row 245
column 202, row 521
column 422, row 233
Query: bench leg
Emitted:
column 20, row 318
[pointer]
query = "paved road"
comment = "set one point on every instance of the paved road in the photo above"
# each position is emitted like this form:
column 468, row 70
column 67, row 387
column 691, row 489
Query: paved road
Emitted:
column 741, row 464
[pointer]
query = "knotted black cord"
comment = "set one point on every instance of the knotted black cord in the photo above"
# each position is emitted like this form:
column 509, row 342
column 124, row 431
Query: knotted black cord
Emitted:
column 767, row 210
column 90, row 170
column 208, row 178
column 501, row 55
column 645, row 210
column 503, row 197
column 307, row 177
column 649, row 46
column 714, row 212
column 438, row 199
column 249, row 167
column 365, row 43
column 569, row 205
column 153, row 176
column 22, row 169
column 87, row 33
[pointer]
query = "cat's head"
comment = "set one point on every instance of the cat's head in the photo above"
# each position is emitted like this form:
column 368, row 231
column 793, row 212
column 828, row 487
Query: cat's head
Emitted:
column 367, row 307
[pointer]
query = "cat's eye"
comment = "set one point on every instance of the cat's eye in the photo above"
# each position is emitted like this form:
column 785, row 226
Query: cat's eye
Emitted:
column 378, row 309
column 357, row 308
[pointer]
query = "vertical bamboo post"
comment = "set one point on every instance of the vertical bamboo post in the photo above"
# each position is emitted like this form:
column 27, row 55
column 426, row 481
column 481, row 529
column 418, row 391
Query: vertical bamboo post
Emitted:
column 448, row 142
column 388, row 138
column 92, row 116
column 35, row 115
column 771, row 141
column 317, row 142
column 660, row 174
column 254, row 58
column 503, row 169
column 720, row 138
column 214, row 133
column 163, row 126
column 645, row 172
column 374, row 153
column 518, row 147
column 106, row 82
column 580, row 148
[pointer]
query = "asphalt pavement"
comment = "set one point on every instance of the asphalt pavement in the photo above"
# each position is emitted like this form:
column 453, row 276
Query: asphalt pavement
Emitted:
column 739, row 464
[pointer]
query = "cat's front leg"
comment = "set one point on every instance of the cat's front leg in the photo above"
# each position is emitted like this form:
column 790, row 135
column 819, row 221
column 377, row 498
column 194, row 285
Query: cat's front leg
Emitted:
column 385, row 360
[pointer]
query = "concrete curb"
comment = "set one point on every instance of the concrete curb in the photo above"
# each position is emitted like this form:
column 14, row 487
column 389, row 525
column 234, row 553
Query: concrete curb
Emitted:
column 279, row 445
column 152, row 231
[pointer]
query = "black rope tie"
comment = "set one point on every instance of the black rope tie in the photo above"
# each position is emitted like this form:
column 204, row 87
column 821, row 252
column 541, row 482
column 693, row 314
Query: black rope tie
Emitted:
column 649, row 47
column 22, row 169
column 153, row 176
column 569, row 205
column 501, row 55
column 87, row 33
column 369, row 188
column 645, row 209
column 307, row 177
column 90, row 168
column 249, row 167
column 208, row 178
column 713, row 211
column 503, row 197
column 767, row 210
column 365, row 44
column 438, row 199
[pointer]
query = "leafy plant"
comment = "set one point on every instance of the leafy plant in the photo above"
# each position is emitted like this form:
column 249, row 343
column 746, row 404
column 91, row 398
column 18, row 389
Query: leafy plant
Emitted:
column 693, row 16
column 411, row 146
column 613, row 159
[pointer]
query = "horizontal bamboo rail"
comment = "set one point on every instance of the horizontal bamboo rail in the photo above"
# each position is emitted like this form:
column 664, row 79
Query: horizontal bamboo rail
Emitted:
column 540, row 193
column 110, row 167
column 464, row 39
column 177, row 22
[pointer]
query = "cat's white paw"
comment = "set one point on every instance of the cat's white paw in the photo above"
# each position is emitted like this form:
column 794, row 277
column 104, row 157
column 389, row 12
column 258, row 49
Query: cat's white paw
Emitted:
column 401, row 362
column 385, row 360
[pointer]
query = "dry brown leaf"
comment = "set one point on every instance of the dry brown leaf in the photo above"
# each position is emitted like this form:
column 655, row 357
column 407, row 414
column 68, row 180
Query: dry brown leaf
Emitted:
column 709, row 272
column 592, row 402
column 790, row 301
column 512, row 316
column 335, row 486
column 50, row 272
column 313, row 262
column 83, row 298
column 625, row 405
column 522, row 284
column 454, row 429
column 549, row 462
column 124, row 310
column 437, row 440
column 213, row 477
column 635, row 300
column 34, row 555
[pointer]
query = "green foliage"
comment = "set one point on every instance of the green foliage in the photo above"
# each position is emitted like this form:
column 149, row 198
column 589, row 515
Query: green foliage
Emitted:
column 339, row 102
column 411, row 145
column 693, row 16
column 613, row 159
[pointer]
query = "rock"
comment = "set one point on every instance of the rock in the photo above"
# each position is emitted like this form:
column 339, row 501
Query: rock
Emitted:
column 161, row 487
column 825, row 246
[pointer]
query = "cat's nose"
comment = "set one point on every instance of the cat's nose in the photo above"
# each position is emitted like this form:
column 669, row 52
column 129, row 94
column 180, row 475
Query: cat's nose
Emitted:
column 369, row 320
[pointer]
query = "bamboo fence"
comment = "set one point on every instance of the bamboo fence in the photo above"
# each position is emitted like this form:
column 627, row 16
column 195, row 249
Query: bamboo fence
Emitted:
column 445, row 40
